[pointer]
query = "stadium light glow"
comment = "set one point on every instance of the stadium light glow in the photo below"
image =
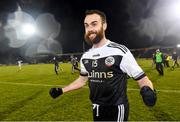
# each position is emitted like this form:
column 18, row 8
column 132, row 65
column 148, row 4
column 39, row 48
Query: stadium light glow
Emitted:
column 28, row 29
column 174, row 9
column 178, row 45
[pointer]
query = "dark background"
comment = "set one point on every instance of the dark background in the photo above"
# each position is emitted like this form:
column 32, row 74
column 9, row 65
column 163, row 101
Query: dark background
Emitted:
column 122, row 17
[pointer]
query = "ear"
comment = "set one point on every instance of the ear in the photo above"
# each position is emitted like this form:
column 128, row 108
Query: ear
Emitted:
column 104, row 26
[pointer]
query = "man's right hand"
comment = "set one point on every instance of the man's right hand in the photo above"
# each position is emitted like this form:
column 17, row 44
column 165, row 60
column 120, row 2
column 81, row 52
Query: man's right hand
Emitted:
column 55, row 92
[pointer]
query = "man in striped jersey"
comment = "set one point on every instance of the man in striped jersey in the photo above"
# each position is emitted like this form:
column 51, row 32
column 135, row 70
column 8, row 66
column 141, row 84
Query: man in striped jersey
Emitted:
column 106, row 66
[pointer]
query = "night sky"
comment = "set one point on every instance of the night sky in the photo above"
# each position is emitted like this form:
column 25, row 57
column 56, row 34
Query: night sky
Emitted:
column 123, row 18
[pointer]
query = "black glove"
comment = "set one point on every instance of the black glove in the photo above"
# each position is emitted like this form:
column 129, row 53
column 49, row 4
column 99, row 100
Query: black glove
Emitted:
column 55, row 92
column 148, row 95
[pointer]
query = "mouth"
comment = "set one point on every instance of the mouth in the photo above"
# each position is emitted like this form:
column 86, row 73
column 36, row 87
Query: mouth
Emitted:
column 92, row 36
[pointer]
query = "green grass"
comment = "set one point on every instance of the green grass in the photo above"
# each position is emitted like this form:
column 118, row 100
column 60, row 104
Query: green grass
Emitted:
column 22, row 101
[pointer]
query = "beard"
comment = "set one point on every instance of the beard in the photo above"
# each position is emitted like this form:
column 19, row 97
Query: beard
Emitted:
column 99, row 36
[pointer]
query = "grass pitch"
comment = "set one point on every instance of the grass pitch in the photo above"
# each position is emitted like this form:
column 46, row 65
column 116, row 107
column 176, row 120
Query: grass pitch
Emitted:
column 25, row 95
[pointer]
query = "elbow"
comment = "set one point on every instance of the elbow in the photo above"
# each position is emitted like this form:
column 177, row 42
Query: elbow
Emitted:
column 82, row 80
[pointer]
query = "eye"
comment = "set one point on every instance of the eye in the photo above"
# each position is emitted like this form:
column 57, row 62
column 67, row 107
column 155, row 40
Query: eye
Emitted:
column 94, row 24
column 86, row 25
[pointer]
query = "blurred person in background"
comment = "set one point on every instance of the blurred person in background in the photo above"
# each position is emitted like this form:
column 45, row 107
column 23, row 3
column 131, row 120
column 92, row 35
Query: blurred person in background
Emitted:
column 159, row 62
column 175, row 59
column 74, row 63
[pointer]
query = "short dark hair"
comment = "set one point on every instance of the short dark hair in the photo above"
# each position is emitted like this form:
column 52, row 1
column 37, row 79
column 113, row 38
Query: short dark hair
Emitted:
column 95, row 11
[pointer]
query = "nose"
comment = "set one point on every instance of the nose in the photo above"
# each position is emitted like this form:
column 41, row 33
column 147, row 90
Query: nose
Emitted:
column 90, row 29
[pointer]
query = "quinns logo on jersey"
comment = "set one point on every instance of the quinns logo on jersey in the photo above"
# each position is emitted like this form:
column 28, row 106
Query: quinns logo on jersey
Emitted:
column 109, row 61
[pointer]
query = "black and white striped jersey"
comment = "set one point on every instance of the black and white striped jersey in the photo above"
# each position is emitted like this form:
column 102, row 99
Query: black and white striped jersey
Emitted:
column 107, row 68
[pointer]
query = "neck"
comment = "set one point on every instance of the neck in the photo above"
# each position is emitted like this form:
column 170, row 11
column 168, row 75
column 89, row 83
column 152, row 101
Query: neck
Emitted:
column 101, row 43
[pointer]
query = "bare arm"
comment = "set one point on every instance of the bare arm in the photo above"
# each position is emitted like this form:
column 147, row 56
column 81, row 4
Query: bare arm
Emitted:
column 78, row 83
column 145, row 82
column 147, row 91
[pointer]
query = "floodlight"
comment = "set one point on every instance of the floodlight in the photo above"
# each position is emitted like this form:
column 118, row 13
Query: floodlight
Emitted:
column 178, row 45
column 28, row 29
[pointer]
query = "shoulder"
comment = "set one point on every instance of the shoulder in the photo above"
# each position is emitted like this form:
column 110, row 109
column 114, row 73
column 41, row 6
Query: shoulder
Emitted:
column 120, row 47
column 86, row 54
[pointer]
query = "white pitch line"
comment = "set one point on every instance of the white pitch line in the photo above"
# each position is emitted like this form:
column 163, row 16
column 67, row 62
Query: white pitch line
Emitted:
column 129, row 89
column 28, row 84
column 160, row 90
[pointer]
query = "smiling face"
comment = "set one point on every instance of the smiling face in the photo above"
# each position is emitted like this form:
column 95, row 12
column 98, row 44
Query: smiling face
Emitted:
column 94, row 28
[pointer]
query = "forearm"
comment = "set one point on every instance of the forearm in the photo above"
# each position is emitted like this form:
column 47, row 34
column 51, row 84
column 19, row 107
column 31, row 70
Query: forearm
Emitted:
column 145, row 82
column 78, row 83
column 147, row 91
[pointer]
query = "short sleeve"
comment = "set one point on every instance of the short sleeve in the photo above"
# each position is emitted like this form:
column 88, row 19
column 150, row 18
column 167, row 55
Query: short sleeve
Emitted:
column 83, row 71
column 130, row 66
